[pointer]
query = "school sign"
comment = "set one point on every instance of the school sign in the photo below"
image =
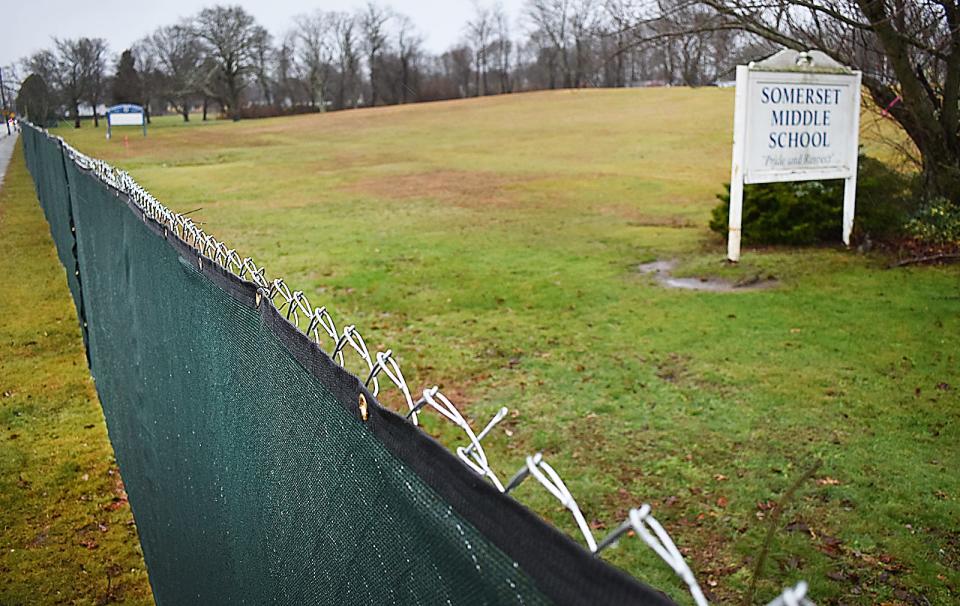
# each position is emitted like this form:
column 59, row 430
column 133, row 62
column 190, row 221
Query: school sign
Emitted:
column 126, row 114
column 797, row 118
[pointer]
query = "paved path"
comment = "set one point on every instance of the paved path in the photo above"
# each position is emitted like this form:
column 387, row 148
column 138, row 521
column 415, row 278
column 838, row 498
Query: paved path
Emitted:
column 6, row 150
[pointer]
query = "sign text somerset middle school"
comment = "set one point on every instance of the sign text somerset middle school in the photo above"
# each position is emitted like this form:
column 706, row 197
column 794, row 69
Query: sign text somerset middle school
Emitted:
column 796, row 124
column 817, row 96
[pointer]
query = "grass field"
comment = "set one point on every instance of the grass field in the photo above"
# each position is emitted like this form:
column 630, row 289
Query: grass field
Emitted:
column 68, row 536
column 493, row 245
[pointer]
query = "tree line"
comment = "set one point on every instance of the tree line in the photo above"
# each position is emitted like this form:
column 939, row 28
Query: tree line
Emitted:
column 908, row 51
column 329, row 60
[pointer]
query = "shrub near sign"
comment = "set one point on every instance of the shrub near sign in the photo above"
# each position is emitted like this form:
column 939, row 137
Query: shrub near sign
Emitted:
column 796, row 119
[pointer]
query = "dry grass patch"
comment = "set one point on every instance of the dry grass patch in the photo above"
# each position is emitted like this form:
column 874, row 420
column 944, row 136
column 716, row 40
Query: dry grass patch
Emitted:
column 470, row 189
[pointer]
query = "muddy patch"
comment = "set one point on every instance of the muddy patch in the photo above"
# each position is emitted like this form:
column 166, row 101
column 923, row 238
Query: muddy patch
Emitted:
column 462, row 188
column 637, row 218
column 662, row 273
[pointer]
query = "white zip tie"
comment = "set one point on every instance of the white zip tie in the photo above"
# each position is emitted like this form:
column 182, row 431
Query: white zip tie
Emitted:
column 479, row 464
column 353, row 337
column 557, row 488
column 793, row 596
column 396, row 376
column 638, row 520
column 493, row 422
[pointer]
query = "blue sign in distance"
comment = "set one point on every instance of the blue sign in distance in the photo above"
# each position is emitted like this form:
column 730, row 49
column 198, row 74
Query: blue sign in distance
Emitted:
column 125, row 108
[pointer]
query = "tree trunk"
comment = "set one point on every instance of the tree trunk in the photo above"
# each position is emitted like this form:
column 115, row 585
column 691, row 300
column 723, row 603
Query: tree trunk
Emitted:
column 620, row 77
column 373, row 81
column 265, row 89
column 476, row 77
column 940, row 161
column 933, row 131
column 185, row 112
column 233, row 98
column 941, row 174
column 96, row 118
column 76, row 114
column 483, row 77
column 206, row 103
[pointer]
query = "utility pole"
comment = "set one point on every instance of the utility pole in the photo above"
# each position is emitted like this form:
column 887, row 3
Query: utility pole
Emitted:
column 3, row 103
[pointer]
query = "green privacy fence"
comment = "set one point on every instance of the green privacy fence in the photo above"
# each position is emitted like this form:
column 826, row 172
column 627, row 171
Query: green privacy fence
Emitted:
column 258, row 469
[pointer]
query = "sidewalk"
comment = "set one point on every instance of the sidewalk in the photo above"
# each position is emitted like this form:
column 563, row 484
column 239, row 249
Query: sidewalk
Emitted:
column 7, row 143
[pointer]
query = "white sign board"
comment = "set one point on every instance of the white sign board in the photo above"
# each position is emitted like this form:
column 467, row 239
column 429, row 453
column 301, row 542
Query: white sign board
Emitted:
column 126, row 114
column 118, row 119
column 794, row 122
column 800, row 126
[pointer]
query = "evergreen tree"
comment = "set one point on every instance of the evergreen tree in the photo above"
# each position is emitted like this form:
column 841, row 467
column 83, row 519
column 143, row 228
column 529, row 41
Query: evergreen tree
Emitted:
column 33, row 101
column 126, row 84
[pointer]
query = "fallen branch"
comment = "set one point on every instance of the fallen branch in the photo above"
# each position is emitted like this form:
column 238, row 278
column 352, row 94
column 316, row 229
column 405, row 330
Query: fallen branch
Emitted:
column 928, row 259
column 774, row 524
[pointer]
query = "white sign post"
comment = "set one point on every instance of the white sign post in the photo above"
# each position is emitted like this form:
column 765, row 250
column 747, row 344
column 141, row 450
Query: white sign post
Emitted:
column 797, row 118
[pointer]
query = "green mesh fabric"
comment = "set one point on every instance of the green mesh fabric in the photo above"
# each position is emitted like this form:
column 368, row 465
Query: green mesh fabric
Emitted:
column 280, row 495
column 250, row 473
column 45, row 162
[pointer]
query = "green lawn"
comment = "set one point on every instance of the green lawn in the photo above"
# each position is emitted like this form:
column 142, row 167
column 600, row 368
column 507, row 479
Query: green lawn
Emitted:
column 68, row 535
column 493, row 245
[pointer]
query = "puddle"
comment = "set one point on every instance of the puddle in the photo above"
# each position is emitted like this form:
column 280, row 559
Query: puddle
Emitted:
column 661, row 272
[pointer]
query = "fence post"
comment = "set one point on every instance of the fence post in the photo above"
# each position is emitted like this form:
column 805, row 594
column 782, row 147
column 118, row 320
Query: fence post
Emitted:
column 81, row 311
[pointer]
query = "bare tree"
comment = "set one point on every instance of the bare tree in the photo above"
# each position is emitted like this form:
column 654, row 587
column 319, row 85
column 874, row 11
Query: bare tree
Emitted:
column 233, row 37
column 314, row 33
column 619, row 20
column 348, row 60
column 583, row 21
column 179, row 55
column 479, row 30
column 550, row 20
column 408, row 51
column 151, row 77
column 502, row 48
column 457, row 68
column 9, row 83
column 373, row 21
column 285, row 71
column 75, row 70
column 908, row 50
column 93, row 62
column 262, row 58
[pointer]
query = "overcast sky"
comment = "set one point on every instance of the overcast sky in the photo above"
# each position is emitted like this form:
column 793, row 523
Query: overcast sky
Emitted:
column 27, row 26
